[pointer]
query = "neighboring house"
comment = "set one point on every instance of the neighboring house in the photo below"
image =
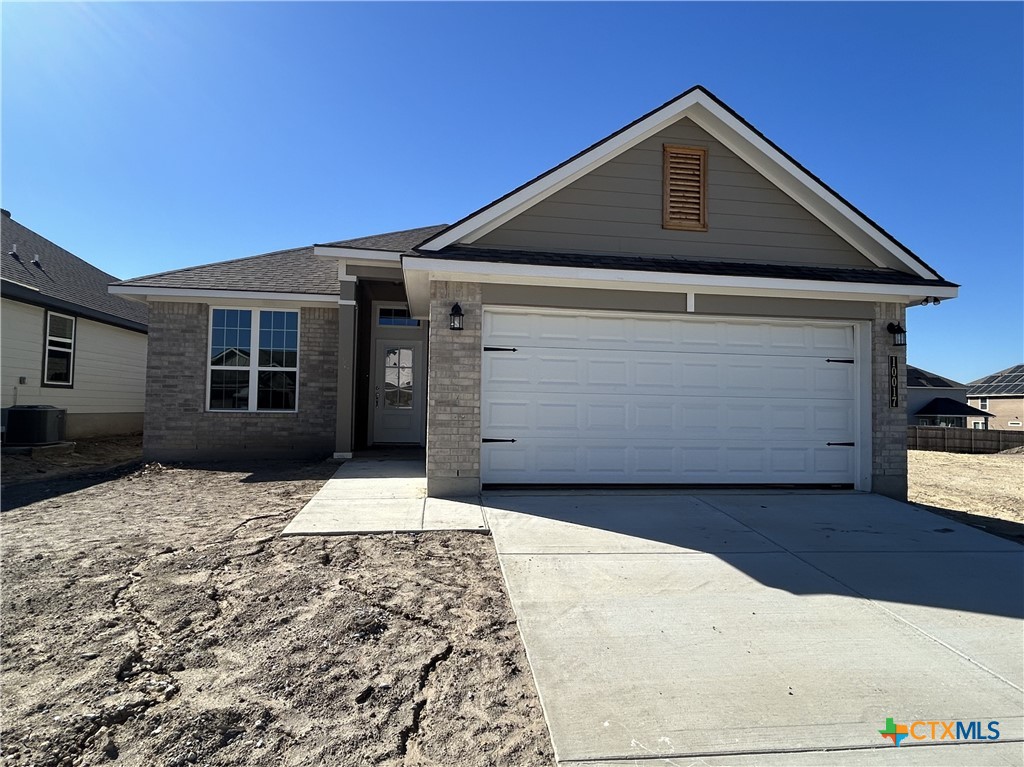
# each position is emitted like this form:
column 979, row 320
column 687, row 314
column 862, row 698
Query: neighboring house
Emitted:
column 1001, row 395
column 65, row 340
column 681, row 302
column 933, row 400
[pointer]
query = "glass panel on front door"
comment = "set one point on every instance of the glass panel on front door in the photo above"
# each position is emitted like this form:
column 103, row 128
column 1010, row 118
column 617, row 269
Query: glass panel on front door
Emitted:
column 398, row 378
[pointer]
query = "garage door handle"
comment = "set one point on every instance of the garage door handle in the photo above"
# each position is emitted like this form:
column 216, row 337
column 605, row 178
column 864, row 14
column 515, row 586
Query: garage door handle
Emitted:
column 493, row 439
column 841, row 444
column 845, row 362
column 500, row 349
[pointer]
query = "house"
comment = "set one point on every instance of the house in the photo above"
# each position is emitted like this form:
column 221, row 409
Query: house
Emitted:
column 680, row 303
column 1002, row 396
column 933, row 400
column 65, row 340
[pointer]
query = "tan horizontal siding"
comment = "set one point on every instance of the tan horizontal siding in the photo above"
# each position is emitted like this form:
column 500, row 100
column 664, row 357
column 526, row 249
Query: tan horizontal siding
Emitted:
column 541, row 241
column 617, row 208
column 647, row 215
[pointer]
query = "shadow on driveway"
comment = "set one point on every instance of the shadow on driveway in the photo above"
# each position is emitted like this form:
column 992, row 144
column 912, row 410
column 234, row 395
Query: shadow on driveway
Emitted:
column 865, row 545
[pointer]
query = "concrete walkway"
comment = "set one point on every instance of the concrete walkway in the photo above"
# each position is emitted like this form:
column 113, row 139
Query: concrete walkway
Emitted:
column 374, row 495
column 771, row 628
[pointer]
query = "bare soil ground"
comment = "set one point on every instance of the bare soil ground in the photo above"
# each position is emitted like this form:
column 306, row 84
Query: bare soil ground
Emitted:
column 154, row 616
column 986, row 491
column 90, row 455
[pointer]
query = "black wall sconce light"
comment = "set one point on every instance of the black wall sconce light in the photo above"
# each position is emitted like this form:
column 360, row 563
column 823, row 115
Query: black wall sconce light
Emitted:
column 899, row 334
column 456, row 317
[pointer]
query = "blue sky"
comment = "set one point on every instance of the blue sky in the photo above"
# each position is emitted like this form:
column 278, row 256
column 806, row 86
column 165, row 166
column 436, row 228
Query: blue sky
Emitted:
column 146, row 137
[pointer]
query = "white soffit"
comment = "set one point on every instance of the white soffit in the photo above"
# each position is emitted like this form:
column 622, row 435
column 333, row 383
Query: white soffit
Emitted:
column 704, row 110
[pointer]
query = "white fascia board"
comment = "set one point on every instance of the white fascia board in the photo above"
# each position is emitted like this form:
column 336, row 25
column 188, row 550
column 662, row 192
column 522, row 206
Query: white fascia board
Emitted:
column 419, row 272
column 477, row 226
column 798, row 184
column 141, row 290
column 360, row 254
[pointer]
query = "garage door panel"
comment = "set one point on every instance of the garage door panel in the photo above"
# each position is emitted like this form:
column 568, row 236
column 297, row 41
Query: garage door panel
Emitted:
column 522, row 415
column 663, row 461
column 679, row 374
column 614, row 399
column 701, row 335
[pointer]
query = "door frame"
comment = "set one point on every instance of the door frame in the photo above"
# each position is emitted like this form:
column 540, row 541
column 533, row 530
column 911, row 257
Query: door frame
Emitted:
column 397, row 334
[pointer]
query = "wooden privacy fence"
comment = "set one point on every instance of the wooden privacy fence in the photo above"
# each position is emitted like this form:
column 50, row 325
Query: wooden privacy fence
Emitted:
column 953, row 440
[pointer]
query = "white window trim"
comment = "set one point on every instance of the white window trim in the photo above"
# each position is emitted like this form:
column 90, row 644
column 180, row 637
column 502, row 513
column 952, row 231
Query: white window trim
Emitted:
column 983, row 403
column 46, row 351
column 254, row 368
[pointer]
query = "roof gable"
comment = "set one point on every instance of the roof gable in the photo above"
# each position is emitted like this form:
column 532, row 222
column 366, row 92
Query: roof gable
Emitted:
column 616, row 208
column 727, row 127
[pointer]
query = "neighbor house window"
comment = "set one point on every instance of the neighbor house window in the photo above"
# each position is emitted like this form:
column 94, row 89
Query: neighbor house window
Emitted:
column 983, row 403
column 684, row 188
column 59, row 362
column 254, row 359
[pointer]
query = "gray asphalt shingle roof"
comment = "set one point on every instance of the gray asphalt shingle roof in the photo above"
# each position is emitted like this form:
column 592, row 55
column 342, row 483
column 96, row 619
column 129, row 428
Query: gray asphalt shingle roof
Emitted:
column 404, row 240
column 295, row 270
column 923, row 378
column 1009, row 382
column 685, row 266
column 947, row 406
column 60, row 279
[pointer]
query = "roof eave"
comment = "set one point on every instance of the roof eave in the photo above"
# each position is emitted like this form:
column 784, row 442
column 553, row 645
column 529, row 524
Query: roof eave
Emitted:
column 418, row 271
column 151, row 292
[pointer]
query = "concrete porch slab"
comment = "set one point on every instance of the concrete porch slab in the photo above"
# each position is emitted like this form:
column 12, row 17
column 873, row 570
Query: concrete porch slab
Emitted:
column 444, row 514
column 369, row 495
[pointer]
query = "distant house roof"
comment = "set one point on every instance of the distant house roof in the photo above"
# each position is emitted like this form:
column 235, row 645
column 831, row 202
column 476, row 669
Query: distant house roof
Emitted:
column 946, row 406
column 47, row 275
column 917, row 377
column 296, row 270
column 1009, row 382
column 669, row 264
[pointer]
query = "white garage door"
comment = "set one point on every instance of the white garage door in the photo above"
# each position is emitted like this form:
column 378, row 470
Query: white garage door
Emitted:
column 602, row 398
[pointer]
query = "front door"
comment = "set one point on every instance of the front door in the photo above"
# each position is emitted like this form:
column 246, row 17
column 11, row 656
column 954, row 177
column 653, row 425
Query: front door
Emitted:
column 397, row 395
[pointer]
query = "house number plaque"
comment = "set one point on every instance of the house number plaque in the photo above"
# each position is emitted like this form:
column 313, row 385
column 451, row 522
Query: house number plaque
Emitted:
column 894, row 381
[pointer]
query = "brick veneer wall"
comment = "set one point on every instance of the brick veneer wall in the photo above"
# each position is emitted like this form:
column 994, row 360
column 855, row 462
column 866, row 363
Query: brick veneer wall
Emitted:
column 888, row 424
column 177, row 426
column 453, row 391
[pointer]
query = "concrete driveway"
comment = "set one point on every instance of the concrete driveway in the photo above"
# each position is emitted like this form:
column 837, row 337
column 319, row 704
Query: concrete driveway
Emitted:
column 762, row 628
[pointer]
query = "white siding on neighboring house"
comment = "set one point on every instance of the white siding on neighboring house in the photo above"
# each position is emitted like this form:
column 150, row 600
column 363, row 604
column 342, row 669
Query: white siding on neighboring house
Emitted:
column 617, row 209
column 109, row 371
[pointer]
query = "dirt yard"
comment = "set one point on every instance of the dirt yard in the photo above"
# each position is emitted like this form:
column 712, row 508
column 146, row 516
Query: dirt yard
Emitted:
column 982, row 490
column 154, row 616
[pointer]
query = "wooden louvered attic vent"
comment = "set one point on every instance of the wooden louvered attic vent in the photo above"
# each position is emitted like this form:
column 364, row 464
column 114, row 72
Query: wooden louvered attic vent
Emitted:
column 684, row 203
